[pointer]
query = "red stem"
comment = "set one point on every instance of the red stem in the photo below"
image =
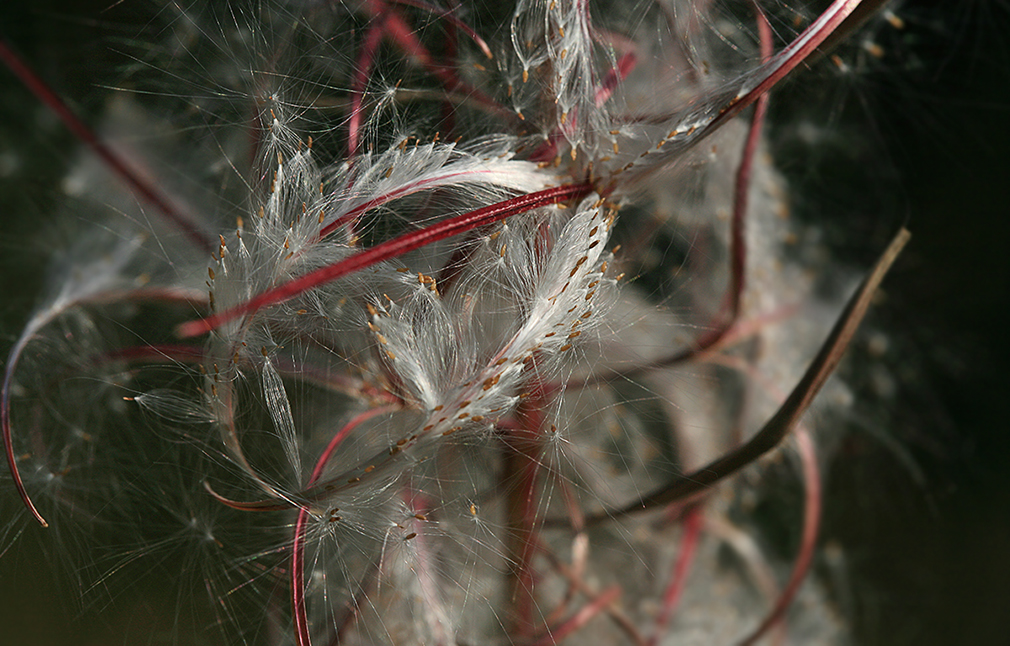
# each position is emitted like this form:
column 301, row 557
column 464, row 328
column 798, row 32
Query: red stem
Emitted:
column 723, row 323
column 402, row 34
column 389, row 249
column 453, row 21
column 73, row 123
column 524, row 460
column 5, row 422
column 787, row 60
column 681, row 569
column 624, row 66
column 298, row 544
column 741, row 190
column 811, row 525
column 372, row 39
column 580, row 618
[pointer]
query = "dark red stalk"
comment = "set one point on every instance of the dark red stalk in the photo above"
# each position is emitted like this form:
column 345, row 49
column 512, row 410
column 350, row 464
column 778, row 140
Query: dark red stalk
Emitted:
column 364, row 67
column 144, row 188
column 453, row 20
column 450, row 54
column 580, row 618
column 5, row 421
column 789, row 414
column 787, row 60
column 390, row 249
column 729, row 102
column 37, row 324
column 523, row 463
column 624, row 66
column 723, row 321
column 405, row 37
column 681, row 569
column 177, row 353
column 298, row 544
column 811, row 525
column 741, row 189
column 298, row 609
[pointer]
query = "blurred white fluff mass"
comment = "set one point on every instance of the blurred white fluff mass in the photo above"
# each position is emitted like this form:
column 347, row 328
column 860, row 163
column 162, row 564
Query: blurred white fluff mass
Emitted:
column 439, row 322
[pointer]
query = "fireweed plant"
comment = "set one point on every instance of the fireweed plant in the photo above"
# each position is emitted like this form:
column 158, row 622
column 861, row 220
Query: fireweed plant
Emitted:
column 454, row 327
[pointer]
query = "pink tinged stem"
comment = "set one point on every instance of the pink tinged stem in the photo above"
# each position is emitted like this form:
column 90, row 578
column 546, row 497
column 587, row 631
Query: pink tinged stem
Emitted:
column 755, row 85
column 453, row 20
column 624, row 66
column 402, row 191
column 738, row 262
column 301, row 618
column 298, row 609
column 524, row 447
column 738, row 243
column 580, row 618
column 364, row 67
column 5, row 420
column 146, row 190
column 681, row 570
column 401, row 33
column 723, row 323
column 788, row 59
column 341, row 435
column 37, row 324
column 387, row 250
column 142, row 353
column 811, row 525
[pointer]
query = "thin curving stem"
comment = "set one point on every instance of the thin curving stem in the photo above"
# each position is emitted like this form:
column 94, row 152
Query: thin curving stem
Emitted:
column 789, row 414
column 811, row 526
column 298, row 609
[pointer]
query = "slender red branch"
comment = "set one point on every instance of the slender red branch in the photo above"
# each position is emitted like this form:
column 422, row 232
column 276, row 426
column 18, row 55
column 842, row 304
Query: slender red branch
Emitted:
column 274, row 504
column 724, row 321
column 453, row 20
column 112, row 159
column 729, row 103
column 741, row 189
column 175, row 352
column 298, row 609
column 523, row 463
column 368, row 48
column 405, row 37
column 624, row 66
column 342, row 434
column 34, row 326
column 301, row 618
column 811, row 525
column 681, row 569
column 795, row 405
column 389, row 249
column 580, row 618
column 5, row 421
column 787, row 60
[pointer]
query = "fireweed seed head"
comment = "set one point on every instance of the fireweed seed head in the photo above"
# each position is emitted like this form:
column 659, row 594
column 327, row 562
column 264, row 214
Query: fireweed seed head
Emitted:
column 443, row 327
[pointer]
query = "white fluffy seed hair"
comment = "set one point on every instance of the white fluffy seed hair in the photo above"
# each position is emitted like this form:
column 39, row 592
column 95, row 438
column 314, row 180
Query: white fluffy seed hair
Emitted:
column 445, row 288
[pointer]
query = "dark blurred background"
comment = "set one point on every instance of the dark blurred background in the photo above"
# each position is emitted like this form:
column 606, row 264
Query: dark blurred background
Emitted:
column 926, row 557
